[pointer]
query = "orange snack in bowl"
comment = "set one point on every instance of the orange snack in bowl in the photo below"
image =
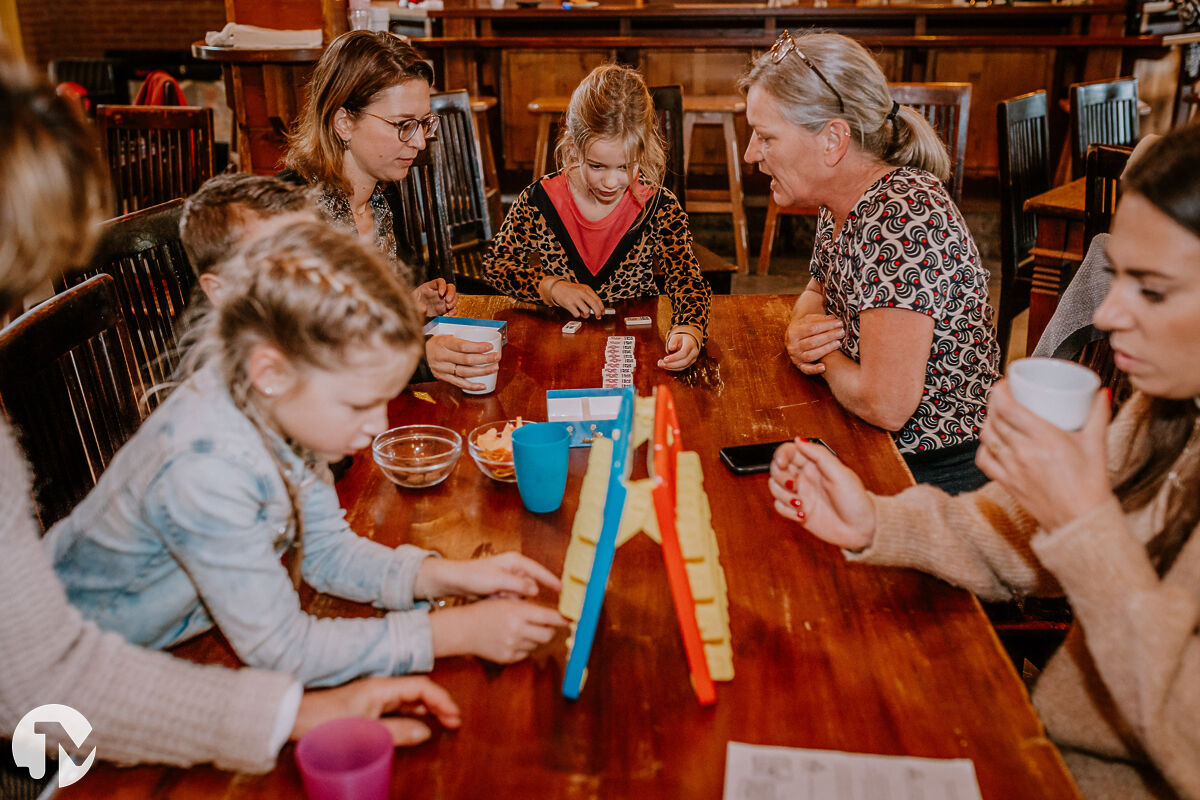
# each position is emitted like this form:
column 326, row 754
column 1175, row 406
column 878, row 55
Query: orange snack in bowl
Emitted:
column 496, row 445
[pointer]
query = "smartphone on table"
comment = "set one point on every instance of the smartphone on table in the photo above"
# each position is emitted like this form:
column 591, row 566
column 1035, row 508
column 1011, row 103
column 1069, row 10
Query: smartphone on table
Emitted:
column 748, row 459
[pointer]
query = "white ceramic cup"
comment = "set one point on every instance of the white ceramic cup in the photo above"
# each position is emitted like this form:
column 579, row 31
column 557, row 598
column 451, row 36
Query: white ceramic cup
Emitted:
column 481, row 334
column 497, row 4
column 1055, row 389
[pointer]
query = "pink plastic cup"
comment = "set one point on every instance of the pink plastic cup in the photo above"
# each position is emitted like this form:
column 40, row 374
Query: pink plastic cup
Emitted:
column 346, row 759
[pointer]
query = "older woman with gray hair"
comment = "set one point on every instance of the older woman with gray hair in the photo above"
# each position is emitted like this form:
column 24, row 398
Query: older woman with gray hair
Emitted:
column 896, row 316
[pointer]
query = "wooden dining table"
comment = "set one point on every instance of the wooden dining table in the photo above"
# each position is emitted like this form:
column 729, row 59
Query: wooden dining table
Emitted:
column 1057, row 252
column 827, row 654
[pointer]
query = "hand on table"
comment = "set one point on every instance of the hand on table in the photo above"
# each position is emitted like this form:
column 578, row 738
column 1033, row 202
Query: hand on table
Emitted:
column 435, row 298
column 811, row 486
column 510, row 574
column 1055, row 475
column 811, row 337
column 376, row 697
column 456, row 361
column 499, row 629
column 682, row 351
column 580, row 300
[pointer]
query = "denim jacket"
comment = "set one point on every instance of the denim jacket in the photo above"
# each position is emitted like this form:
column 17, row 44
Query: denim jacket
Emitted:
column 186, row 528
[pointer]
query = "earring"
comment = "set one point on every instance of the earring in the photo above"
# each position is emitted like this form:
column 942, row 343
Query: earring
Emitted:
column 268, row 390
column 345, row 144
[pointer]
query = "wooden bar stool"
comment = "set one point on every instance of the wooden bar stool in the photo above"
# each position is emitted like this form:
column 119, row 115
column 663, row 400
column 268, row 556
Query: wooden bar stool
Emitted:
column 480, row 105
column 719, row 110
column 548, row 109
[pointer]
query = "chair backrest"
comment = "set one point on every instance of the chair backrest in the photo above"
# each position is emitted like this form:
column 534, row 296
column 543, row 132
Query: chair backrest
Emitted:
column 156, row 153
column 1023, row 135
column 422, row 228
column 68, row 385
column 947, row 106
column 460, row 169
column 143, row 253
column 1102, row 112
column 668, row 105
column 97, row 75
column 1105, row 163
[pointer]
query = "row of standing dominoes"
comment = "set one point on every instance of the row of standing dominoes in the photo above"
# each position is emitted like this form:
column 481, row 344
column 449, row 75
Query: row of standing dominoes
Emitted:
column 619, row 362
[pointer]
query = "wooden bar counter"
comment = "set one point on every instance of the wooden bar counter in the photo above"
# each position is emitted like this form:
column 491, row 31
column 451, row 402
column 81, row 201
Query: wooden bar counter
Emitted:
column 827, row 654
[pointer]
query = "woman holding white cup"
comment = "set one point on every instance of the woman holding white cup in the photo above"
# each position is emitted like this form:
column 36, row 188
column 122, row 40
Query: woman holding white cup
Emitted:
column 1106, row 515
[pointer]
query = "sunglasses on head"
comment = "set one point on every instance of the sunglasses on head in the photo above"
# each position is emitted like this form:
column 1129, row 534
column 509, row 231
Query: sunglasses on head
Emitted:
column 405, row 128
column 786, row 44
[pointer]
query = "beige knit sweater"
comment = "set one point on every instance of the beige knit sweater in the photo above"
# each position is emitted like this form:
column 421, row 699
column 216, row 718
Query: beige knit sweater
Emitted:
column 143, row 706
column 1121, row 697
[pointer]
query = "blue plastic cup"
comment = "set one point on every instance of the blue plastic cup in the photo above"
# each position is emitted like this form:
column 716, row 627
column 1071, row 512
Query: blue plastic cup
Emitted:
column 540, row 451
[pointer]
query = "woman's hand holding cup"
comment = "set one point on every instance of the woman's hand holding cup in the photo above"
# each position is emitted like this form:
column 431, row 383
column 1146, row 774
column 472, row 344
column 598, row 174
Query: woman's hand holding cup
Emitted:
column 1055, row 475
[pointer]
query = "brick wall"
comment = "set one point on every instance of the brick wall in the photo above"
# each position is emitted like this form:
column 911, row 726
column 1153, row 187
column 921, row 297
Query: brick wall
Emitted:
column 87, row 28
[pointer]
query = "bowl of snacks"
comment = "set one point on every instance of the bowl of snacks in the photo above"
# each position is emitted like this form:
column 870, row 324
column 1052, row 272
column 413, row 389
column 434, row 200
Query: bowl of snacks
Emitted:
column 417, row 456
column 490, row 445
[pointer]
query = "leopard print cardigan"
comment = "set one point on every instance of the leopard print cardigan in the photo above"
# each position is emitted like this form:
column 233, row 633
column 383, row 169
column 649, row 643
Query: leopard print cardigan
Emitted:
column 533, row 244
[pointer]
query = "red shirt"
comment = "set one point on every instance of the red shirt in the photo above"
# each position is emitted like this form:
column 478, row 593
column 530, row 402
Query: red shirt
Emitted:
column 595, row 240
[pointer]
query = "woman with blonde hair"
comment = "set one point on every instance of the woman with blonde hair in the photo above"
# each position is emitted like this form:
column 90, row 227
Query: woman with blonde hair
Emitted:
column 1107, row 515
column 896, row 315
column 593, row 232
column 143, row 706
column 366, row 119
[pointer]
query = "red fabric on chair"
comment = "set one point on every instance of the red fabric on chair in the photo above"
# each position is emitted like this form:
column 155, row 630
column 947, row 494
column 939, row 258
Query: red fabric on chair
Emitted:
column 160, row 89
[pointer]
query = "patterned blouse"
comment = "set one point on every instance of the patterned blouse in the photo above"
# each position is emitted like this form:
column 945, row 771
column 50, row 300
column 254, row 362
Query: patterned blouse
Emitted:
column 906, row 245
column 334, row 206
column 533, row 243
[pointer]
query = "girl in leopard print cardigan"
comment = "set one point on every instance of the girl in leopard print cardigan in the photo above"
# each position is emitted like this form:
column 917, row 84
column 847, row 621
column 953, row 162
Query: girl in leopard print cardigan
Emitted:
column 599, row 229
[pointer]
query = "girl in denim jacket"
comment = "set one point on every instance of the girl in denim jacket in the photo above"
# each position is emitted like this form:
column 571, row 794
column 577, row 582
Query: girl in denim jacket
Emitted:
column 221, row 503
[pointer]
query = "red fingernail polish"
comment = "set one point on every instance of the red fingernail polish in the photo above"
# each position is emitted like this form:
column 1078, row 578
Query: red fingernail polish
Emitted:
column 795, row 502
column 1108, row 391
column 800, row 515
column 791, row 486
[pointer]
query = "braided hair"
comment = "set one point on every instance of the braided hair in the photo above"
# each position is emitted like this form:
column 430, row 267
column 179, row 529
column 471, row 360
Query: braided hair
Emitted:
column 313, row 293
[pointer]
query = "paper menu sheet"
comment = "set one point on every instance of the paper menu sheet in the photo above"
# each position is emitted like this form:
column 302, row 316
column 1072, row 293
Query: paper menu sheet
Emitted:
column 756, row 772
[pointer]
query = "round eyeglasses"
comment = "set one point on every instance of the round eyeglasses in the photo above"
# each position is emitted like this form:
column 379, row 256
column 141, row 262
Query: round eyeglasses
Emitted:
column 786, row 44
column 405, row 128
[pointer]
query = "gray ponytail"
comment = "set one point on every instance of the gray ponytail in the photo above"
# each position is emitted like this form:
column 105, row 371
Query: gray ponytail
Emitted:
column 908, row 140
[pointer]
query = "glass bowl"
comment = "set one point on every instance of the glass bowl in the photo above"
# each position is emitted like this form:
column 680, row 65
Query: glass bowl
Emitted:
column 417, row 456
column 496, row 466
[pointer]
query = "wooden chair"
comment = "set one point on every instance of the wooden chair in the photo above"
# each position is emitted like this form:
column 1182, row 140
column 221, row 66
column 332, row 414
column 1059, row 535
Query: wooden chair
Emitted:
column 947, row 107
column 1023, row 135
column 1102, row 112
column 156, row 153
column 69, row 386
column 668, row 104
column 153, row 281
column 460, row 166
column 422, row 231
column 1105, row 163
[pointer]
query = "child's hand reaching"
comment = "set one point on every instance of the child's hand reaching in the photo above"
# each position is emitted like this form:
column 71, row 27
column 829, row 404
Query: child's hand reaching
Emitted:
column 498, row 629
column 682, row 351
column 510, row 574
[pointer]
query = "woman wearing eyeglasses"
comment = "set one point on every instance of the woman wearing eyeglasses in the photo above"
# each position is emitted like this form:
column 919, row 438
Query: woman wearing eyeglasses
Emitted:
column 896, row 316
column 367, row 118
